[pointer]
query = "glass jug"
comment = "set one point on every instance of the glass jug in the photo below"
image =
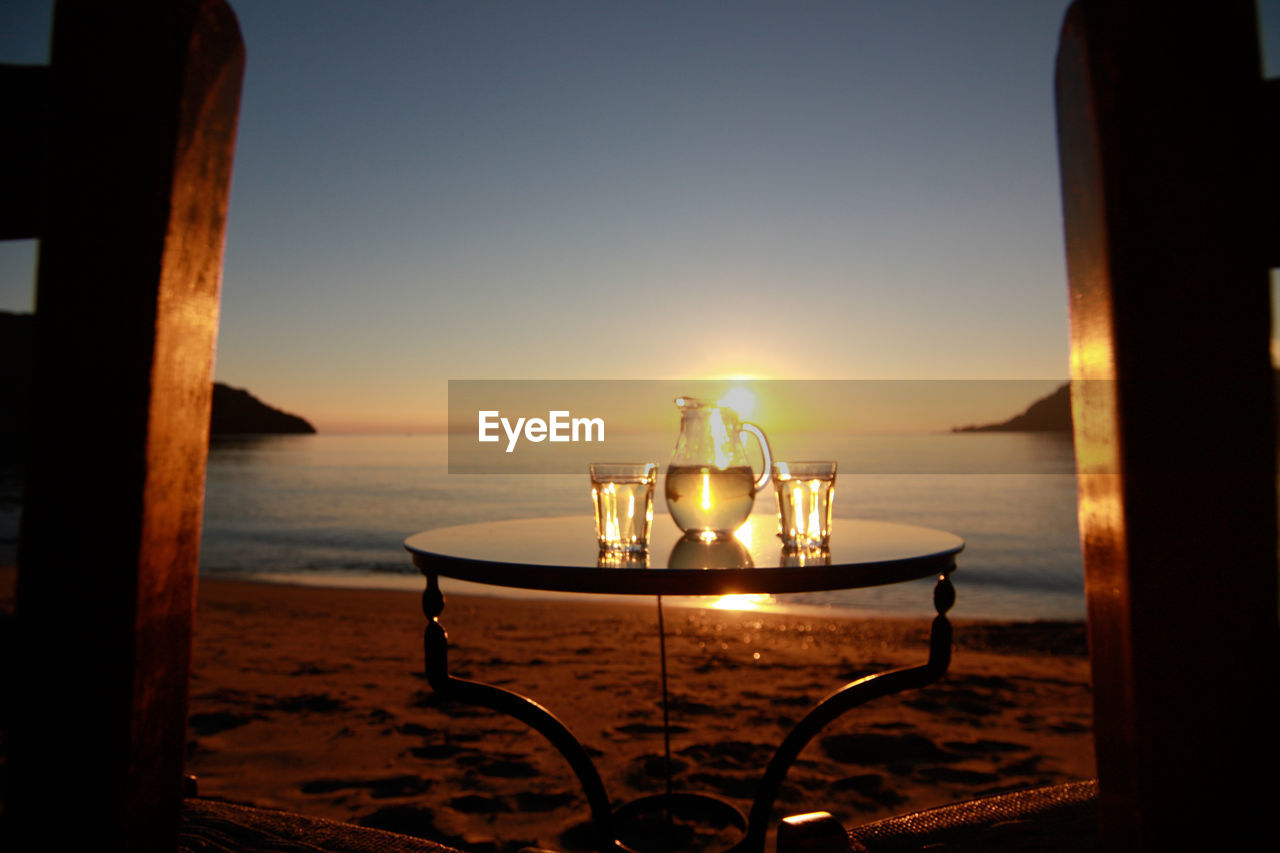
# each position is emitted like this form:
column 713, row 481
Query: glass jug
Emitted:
column 710, row 486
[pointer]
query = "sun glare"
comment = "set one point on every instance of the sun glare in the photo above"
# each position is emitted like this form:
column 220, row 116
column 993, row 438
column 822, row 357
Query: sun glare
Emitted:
column 740, row 399
column 752, row 601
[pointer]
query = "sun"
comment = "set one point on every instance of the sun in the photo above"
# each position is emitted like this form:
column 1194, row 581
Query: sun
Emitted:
column 741, row 399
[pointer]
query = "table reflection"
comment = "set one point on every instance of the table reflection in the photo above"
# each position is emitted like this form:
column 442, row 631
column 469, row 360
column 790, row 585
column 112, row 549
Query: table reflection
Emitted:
column 804, row 556
column 692, row 553
column 623, row 560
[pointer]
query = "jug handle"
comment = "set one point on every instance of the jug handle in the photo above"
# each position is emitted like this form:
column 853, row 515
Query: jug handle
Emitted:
column 763, row 479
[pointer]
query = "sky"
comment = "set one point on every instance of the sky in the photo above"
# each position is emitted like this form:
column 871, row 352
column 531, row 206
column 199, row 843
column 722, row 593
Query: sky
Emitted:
column 426, row 191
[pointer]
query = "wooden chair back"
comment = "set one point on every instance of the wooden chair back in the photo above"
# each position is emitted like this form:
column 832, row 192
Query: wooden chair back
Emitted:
column 121, row 167
column 1168, row 155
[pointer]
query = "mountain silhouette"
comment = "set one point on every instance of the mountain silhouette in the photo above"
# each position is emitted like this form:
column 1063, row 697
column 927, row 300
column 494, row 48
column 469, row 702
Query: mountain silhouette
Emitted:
column 1052, row 413
column 236, row 411
column 1048, row 414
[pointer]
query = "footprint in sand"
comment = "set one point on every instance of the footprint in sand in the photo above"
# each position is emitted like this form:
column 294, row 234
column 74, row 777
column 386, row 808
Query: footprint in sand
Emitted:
column 478, row 804
column 380, row 788
column 203, row 725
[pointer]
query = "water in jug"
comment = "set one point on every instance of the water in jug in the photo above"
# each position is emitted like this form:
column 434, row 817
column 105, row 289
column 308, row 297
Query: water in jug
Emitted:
column 710, row 486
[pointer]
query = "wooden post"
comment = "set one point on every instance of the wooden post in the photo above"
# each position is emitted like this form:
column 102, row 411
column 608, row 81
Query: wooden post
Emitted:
column 139, row 134
column 1166, row 201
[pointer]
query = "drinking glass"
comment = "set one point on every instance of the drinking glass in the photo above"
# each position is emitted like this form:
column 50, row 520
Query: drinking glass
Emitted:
column 623, row 496
column 806, row 492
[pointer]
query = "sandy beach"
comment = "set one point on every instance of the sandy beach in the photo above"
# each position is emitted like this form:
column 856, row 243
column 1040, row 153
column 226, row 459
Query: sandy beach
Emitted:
column 313, row 700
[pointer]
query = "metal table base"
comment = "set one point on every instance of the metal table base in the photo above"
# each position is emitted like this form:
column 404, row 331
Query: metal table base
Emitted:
column 605, row 819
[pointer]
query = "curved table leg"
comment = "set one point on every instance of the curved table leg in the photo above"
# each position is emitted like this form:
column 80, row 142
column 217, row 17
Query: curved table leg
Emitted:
column 845, row 699
column 436, row 651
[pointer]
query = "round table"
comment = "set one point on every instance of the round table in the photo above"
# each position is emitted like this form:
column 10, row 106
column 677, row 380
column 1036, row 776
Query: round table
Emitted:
column 561, row 554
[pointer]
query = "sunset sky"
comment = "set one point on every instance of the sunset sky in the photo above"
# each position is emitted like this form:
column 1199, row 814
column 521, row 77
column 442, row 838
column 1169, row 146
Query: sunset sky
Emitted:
column 427, row 191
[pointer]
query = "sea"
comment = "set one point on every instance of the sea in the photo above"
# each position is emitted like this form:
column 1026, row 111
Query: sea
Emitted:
column 334, row 510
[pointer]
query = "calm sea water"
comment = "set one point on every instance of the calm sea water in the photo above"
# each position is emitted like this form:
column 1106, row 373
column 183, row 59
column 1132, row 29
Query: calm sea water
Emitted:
column 335, row 510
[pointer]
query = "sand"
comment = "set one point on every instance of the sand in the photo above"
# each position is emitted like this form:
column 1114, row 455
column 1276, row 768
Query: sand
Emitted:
column 313, row 700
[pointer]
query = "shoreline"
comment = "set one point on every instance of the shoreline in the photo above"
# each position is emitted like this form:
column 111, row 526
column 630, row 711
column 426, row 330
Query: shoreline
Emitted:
column 920, row 606
column 414, row 583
